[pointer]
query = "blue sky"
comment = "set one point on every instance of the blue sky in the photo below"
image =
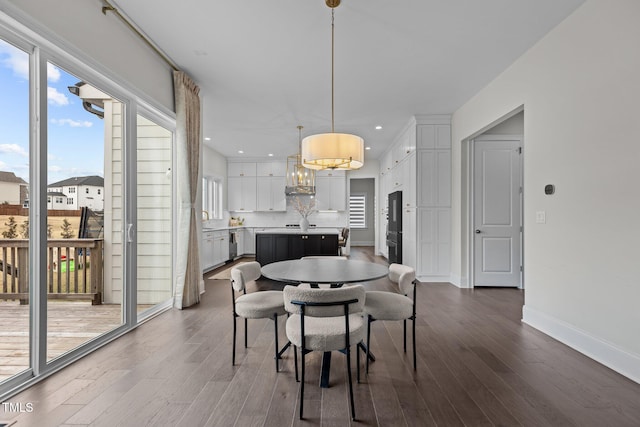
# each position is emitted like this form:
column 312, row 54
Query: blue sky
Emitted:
column 76, row 137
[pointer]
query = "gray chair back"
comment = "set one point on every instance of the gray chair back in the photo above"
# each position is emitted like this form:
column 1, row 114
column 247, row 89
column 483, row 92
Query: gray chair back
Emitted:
column 335, row 295
column 404, row 276
column 243, row 274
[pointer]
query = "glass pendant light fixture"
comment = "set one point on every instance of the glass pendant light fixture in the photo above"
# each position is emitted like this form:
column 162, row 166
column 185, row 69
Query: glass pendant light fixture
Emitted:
column 332, row 150
column 300, row 180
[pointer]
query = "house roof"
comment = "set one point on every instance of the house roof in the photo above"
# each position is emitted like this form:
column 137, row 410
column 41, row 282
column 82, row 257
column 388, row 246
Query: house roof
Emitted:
column 56, row 194
column 93, row 180
column 11, row 177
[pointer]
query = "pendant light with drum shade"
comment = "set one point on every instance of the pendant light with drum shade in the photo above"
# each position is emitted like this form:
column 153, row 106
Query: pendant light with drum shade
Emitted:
column 332, row 150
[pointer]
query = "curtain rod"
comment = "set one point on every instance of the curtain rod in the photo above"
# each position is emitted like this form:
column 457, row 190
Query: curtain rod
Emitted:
column 110, row 8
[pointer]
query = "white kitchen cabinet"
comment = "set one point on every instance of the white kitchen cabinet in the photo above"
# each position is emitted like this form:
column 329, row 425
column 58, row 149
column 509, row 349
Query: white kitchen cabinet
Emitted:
column 271, row 169
column 249, row 241
column 434, row 243
column 386, row 163
column 409, row 240
column 241, row 194
column 331, row 193
column 240, row 233
column 238, row 169
column 331, row 172
column 270, row 194
column 434, row 137
column 434, row 177
column 206, row 250
column 409, row 181
column 220, row 246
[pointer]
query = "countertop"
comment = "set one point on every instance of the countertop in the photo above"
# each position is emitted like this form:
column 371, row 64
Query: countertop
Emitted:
column 319, row 230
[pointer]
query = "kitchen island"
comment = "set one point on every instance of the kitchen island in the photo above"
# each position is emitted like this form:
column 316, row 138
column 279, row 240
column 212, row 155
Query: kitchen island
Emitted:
column 281, row 244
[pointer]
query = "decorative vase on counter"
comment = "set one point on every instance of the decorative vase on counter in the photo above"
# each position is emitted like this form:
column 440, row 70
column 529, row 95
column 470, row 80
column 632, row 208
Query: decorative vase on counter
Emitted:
column 304, row 224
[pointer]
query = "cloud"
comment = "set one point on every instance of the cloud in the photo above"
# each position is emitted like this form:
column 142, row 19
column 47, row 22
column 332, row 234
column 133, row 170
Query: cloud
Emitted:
column 3, row 165
column 53, row 72
column 13, row 149
column 55, row 97
column 14, row 59
column 72, row 123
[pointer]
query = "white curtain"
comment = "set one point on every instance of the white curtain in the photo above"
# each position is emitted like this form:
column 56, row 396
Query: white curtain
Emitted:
column 189, row 274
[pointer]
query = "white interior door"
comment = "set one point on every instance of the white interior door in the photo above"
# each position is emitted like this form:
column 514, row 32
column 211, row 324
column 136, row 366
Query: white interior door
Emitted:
column 497, row 211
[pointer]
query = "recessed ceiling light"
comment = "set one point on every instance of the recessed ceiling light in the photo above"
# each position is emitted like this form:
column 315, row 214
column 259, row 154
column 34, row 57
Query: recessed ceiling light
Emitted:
column 206, row 138
column 367, row 148
column 270, row 154
column 378, row 127
column 240, row 152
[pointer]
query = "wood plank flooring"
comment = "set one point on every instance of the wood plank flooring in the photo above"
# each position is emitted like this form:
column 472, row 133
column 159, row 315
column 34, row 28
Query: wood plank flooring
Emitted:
column 477, row 365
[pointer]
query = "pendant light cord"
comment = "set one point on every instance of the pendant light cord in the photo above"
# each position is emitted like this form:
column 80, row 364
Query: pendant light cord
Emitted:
column 332, row 61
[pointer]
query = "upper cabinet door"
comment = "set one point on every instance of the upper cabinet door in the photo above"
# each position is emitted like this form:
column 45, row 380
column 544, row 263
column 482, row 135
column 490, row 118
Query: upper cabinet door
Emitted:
column 241, row 169
column 434, row 136
column 271, row 168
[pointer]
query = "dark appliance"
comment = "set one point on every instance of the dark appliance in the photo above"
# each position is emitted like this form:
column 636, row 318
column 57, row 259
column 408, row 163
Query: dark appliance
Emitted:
column 394, row 227
column 233, row 244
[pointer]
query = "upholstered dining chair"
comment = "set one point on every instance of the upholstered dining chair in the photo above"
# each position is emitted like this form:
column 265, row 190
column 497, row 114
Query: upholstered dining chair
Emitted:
column 325, row 320
column 255, row 305
column 382, row 305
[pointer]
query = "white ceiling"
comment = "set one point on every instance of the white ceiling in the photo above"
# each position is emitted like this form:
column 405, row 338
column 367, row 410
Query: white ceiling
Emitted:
column 264, row 67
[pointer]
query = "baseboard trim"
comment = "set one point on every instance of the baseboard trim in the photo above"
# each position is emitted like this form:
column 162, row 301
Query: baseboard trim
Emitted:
column 362, row 243
column 621, row 361
column 437, row 279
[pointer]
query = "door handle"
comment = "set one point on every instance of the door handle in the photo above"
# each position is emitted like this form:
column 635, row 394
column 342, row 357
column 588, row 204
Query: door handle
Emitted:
column 130, row 233
column 478, row 231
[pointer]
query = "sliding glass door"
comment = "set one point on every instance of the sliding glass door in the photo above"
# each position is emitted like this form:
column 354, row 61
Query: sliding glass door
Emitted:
column 86, row 210
column 14, row 211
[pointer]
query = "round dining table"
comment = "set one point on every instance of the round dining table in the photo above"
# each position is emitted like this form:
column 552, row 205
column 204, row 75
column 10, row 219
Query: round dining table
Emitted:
column 335, row 271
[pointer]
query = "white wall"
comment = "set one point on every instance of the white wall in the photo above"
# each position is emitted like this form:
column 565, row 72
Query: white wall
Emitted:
column 580, row 91
column 105, row 40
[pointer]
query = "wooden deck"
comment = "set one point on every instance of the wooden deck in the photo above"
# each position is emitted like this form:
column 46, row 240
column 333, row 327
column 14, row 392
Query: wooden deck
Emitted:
column 70, row 323
column 478, row 365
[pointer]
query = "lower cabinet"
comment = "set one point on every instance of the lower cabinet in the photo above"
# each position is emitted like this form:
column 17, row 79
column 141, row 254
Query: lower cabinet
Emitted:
column 281, row 247
column 215, row 249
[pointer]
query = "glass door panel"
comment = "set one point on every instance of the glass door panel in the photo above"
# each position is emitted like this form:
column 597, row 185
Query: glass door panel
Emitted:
column 154, row 214
column 14, row 210
column 84, row 212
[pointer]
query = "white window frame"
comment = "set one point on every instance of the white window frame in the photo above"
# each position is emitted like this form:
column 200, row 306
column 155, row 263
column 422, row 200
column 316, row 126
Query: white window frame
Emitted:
column 212, row 189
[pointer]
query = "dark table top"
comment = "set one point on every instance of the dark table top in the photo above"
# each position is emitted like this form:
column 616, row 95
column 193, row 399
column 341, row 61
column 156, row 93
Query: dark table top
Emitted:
column 330, row 270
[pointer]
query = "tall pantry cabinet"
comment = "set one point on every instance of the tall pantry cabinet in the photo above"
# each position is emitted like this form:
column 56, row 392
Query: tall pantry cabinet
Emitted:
column 419, row 164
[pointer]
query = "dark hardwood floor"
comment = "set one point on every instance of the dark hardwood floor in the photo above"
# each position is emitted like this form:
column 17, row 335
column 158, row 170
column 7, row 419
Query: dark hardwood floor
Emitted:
column 477, row 365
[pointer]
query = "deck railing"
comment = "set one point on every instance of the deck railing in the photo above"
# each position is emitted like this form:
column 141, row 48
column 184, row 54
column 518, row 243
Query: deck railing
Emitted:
column 74, row 269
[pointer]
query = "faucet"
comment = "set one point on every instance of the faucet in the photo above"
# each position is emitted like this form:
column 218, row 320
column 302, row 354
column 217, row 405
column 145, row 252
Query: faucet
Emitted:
column 205, row 214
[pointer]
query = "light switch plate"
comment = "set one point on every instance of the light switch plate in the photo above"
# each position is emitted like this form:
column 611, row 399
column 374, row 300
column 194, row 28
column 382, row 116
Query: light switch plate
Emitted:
column 541, row 217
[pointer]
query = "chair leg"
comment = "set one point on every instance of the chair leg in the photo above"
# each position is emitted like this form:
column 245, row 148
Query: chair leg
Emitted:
column 275, row 324
column 368, row 342
column 358, row 363
column 414, row 344
column 233, row 353
column 245, row 333
column 353, row 407
column 301, row 380
column 404, row 331
column 295, row 361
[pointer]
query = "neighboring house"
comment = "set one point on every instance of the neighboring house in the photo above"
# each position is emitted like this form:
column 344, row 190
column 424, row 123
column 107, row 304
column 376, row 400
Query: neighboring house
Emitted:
column 13, row 189
column 56, row 200
column 78, row 192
